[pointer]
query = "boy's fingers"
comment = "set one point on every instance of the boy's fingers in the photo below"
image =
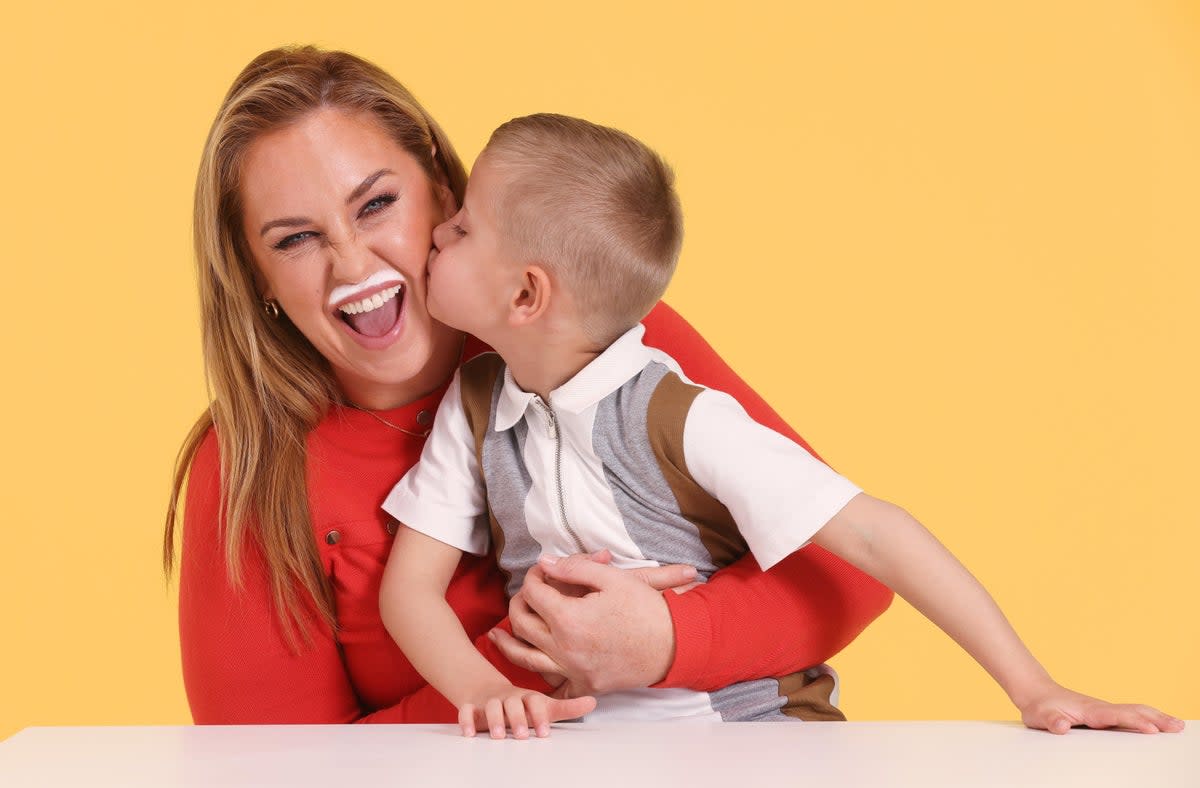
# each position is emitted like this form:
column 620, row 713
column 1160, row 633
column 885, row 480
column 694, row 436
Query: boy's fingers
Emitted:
column 466, row 719
column 522, row 654
column 514, row 710
column 494, row 712
column 539, row 719
column 1160, row 720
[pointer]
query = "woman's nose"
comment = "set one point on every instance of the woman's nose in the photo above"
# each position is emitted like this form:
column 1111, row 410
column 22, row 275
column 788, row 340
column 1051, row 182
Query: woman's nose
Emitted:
column 353, row 260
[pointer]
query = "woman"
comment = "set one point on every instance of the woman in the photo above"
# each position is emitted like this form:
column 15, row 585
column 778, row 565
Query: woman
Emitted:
column 320, row 185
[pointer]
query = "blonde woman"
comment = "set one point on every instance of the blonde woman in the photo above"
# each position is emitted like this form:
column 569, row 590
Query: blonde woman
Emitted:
column 320, row 185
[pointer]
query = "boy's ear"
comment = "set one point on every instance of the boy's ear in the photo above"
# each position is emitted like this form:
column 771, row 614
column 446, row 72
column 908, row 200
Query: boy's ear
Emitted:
column 532, row 298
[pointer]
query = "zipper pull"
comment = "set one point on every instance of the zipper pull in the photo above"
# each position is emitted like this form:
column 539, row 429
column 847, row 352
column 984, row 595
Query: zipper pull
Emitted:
column 551, row 419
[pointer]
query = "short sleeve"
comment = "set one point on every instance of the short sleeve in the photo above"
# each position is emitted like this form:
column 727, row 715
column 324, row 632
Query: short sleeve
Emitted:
column 443, row 495
column 778, row 493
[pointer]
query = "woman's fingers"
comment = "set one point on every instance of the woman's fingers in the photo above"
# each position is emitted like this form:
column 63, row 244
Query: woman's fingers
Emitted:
column 593, row 571
column 522, row 654
column 677, row 576
column 527, row 623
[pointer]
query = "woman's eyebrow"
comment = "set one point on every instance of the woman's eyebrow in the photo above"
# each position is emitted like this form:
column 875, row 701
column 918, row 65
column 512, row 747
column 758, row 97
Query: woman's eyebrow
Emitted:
column 367, row 183
column 291, row 221
column 359, row 191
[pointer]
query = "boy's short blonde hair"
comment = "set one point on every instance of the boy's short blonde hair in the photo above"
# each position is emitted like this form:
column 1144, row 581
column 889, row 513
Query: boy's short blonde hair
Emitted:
column 594, row 206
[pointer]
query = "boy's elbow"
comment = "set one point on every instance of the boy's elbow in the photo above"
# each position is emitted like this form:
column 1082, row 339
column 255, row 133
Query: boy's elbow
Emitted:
column 392, row 606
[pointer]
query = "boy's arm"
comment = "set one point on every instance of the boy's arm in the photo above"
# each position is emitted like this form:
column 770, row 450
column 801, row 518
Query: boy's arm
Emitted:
column 889, row 544
column 413, row 606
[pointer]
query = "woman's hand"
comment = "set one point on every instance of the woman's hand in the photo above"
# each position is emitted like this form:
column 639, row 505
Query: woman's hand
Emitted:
column 504, row 706
column 1057, row 709
column 604, row 629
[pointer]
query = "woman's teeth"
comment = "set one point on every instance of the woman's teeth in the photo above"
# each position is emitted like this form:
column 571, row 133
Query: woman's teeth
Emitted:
column 371, row 303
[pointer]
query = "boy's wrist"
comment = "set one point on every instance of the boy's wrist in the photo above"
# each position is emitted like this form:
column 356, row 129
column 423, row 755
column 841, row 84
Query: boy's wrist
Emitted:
column 480, row 692
column 1028, row 690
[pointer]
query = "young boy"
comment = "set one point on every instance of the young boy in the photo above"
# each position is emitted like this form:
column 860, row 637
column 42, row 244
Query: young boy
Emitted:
column 575, row 437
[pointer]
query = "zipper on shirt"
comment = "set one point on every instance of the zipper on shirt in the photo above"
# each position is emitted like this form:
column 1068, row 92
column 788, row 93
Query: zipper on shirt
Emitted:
column 552, row 421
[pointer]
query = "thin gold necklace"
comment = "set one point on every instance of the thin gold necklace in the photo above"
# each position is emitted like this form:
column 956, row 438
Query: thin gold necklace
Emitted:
column 382, row 420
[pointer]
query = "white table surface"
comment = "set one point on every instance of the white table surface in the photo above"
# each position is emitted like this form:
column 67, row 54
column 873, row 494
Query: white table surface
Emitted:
column 742, row 754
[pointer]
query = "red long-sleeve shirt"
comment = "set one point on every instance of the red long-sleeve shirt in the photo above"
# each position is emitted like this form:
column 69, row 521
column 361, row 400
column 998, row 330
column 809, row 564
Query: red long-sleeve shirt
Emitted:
column 238, row 666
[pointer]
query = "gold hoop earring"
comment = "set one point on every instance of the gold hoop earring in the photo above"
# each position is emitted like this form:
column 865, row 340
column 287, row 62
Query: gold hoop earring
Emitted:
column 271, row 308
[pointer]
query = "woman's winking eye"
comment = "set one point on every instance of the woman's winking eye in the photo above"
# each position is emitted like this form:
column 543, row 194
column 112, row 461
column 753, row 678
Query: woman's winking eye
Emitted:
column 377, row 204
column 372, row 206
column 288, row 241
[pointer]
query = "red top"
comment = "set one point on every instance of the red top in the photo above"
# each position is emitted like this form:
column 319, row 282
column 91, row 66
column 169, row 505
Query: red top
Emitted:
column 237, row 664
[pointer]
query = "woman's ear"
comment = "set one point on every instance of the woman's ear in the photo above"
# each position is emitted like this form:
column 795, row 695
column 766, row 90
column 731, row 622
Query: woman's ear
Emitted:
column 532, row 298
column 447, row 200
column 441, row 187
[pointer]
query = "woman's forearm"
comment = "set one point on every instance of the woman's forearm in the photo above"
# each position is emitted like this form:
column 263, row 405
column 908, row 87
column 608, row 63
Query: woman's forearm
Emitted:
column 745, row 623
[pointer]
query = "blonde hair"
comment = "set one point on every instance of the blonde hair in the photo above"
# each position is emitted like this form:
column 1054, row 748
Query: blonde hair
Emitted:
column 595, row 206
column 270, row 386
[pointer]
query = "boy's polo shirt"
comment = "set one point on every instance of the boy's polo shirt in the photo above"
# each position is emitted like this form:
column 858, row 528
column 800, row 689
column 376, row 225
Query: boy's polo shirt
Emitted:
column 629, row 456
column 613, row 460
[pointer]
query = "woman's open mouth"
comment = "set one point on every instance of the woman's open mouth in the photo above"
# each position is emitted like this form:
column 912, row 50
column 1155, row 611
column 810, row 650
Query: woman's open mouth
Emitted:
column 373, row 318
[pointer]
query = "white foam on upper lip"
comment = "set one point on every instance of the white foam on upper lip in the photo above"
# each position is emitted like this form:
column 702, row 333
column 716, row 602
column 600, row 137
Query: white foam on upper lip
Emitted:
column 345, row 293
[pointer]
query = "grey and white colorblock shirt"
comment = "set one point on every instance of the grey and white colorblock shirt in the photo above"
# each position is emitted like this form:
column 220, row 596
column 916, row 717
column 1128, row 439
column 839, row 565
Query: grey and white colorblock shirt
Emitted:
column 628, row 455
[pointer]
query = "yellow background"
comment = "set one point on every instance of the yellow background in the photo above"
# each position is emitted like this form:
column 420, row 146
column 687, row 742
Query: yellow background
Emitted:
column 954, row 243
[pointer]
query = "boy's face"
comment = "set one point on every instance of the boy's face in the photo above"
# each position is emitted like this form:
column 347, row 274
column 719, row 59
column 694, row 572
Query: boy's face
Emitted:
column 471, row 279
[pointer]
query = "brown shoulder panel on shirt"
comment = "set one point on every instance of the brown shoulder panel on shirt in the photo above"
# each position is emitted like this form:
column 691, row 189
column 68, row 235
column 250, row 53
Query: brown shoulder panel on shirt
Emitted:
column 809, row 698
column 665, row 420
column 477, row 379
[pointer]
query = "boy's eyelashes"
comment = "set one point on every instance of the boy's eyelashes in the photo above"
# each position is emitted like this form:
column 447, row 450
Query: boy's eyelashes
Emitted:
column 458, row 230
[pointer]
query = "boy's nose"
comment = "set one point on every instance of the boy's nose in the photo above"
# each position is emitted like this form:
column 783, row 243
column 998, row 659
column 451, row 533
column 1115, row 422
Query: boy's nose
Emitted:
column 441, row 234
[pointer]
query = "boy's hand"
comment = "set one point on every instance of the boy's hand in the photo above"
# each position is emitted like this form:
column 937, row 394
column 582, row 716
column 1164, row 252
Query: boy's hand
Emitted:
column 1057, row 709
column 506, row 706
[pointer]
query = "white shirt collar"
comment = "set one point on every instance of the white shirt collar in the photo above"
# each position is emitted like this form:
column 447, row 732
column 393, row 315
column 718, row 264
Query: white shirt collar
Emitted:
column 606, row 373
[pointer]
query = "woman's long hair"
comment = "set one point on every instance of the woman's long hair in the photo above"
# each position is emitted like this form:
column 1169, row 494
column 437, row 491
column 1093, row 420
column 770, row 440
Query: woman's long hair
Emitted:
column 269, row 386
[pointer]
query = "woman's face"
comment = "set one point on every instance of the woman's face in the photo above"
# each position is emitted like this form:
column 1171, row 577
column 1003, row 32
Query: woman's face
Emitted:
column 339, row 220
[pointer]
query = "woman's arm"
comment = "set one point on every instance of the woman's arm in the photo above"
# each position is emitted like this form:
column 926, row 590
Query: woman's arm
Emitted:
column 742, row 624
column 238, row 667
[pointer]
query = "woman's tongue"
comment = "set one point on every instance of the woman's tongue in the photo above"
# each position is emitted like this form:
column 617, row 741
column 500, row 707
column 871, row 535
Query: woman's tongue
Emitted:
column 378, row 321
